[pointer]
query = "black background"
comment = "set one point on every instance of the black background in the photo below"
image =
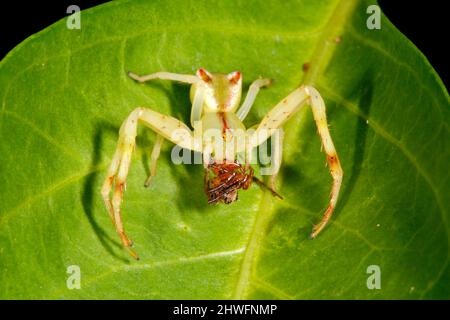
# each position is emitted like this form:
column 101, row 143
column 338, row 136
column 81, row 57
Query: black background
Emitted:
column 425, row 24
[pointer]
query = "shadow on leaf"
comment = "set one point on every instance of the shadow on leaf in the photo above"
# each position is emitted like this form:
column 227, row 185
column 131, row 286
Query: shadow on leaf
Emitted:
column 90, row 191
column 364, row 104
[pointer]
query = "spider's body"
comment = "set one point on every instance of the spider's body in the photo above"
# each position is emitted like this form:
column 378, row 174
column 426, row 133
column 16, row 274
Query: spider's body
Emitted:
column 220, row 135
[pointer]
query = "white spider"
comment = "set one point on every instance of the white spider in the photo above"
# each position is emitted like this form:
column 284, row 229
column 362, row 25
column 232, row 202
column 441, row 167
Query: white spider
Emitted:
column 215, row 100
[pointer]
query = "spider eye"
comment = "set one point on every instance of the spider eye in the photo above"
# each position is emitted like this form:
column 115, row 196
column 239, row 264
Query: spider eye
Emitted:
column 234, row 77
column 204, row 75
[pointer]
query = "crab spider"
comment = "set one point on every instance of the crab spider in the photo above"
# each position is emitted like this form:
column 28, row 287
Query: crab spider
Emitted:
column 215, row 106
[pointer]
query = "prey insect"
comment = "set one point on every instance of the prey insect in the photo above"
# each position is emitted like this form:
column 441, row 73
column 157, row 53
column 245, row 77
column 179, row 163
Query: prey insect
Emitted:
column 227, row 179
column 215, row 101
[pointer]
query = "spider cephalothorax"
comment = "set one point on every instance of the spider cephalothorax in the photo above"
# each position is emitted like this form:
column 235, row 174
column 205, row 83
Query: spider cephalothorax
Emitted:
column 223, row 180
column 216, row 113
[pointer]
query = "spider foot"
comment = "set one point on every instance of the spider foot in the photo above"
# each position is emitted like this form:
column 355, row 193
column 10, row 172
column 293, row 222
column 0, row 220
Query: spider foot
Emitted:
column 313, row 234
column 133, row 253
column 128, row 243
column 148, row 182
column 125, row 240
column 319, row 227
column 134, row 76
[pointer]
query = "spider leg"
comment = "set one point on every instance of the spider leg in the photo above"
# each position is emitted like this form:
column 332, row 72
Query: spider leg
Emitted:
column 154, row 158
column 276, row 158
column 197, row 103
column 186, row 78
column 281, row 113
column 251, row 96
column 246, row 150
column 107, row 185
column 265, row 186
column 166, row 127
column 320, row 117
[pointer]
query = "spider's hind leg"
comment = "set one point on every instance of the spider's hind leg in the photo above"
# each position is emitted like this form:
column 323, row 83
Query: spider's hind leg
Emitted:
column 276, row 157
column 154, row 158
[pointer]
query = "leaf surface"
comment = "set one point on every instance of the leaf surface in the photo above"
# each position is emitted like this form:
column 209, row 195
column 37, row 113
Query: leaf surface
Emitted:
column 64, row 94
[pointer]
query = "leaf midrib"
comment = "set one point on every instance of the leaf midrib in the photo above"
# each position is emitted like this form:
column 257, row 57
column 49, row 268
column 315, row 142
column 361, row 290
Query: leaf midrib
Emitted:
column 321, row 57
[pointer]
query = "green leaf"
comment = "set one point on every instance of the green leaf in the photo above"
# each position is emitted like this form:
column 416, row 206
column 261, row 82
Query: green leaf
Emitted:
column 64, row 94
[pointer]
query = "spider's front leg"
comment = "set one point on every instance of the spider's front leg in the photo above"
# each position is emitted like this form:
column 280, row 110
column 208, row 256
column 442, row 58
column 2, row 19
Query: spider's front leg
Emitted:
column 162, row 75
column 166, row 127
column 281, row 113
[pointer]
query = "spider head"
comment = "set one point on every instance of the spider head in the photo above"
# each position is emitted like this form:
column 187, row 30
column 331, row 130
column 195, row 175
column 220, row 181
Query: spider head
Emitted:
column 222, row 91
